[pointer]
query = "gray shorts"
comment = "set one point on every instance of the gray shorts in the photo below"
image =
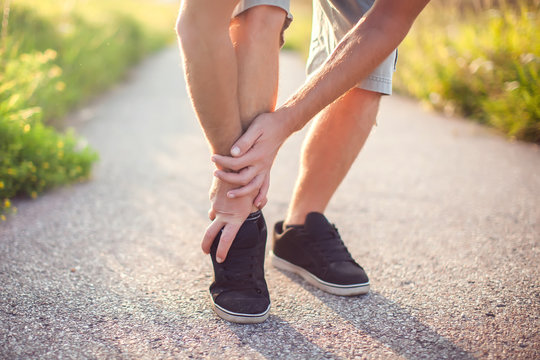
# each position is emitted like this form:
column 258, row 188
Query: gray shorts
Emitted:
column 332, row 19
column 243, row 5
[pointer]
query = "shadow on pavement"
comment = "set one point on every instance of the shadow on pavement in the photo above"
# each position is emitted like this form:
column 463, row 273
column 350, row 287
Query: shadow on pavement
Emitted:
column 285, row 343
column 389, row 323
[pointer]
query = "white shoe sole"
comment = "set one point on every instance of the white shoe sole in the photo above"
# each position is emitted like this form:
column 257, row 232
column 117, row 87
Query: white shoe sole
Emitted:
column 239, row 318
column 335, row 289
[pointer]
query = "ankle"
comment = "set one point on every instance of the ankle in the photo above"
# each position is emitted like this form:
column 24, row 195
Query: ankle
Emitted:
column 294, row 220
column 298, row 218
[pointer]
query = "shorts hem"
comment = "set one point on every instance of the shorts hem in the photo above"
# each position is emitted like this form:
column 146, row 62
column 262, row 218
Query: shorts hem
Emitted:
column 248, row 4
column 377, row 84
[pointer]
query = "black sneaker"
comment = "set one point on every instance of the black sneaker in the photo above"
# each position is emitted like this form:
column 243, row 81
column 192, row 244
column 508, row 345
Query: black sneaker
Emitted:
column 316, row 252
column 239, row 292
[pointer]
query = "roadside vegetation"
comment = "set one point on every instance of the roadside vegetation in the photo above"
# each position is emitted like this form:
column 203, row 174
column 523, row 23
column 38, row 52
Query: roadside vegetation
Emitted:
column 481, row 62
column 298, row 35
column 475, row 58
column 54, row 56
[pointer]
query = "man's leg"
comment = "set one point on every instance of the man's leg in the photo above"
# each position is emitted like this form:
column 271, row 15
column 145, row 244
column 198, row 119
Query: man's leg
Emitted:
column 330, row 148
column 210, row 67
column 312, row 247
column 256, row 37
column 228, row 84
column 231, row 66
column 253, row 38
column 239, row 290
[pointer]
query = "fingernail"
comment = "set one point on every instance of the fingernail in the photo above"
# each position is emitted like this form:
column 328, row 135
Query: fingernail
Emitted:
column 235, row 151
column 213, row 158
column 259, row 204
column 218, row 259
column 230, row 195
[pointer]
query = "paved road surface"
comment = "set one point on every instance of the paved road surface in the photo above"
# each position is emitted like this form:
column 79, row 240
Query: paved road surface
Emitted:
column 443, row 214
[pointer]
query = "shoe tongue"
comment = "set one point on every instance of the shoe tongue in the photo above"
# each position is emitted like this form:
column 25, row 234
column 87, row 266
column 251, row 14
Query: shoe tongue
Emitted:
column 247, row 237
column 316, row 223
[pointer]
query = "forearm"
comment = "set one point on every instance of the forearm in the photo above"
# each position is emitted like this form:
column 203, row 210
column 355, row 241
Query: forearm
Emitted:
column 356, row 56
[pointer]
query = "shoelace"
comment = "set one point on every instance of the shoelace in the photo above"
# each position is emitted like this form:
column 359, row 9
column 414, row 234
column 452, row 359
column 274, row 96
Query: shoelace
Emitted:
column 331, row 247
column 241, row 273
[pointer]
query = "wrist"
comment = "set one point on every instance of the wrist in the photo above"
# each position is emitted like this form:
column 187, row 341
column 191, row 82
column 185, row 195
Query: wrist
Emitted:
column 290, row 123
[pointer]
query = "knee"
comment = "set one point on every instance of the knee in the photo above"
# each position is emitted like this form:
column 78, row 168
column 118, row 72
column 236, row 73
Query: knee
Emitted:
column 362, row 104
column 185, row 27
column 198, row 19
column 359, row 97
column 262, row 21
column 265, row 16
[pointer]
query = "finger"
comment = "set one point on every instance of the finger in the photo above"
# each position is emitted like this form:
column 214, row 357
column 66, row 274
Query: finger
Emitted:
column 242, row 178
column 210, row 235
column 260, row 202
column 225, row 241
column 235, row 164
column 261, row 199
column 250, row 188
column 246, row 141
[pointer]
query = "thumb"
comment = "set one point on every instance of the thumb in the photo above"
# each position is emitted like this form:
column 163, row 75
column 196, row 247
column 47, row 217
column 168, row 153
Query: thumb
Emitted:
column 246, row 141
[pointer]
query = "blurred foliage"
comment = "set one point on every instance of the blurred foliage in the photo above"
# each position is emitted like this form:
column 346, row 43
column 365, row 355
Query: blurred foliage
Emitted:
column 298, row 35
column 476, row 58
column 483, row 64
column 54, row 56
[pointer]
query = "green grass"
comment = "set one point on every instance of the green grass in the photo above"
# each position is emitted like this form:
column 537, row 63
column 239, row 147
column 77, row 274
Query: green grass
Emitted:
column 53, row 57
column 96, row 41
column 478, row 59
column 480, row 64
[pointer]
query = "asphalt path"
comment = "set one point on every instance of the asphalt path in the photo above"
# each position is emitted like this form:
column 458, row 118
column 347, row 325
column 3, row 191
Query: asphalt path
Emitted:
column 443, row 214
